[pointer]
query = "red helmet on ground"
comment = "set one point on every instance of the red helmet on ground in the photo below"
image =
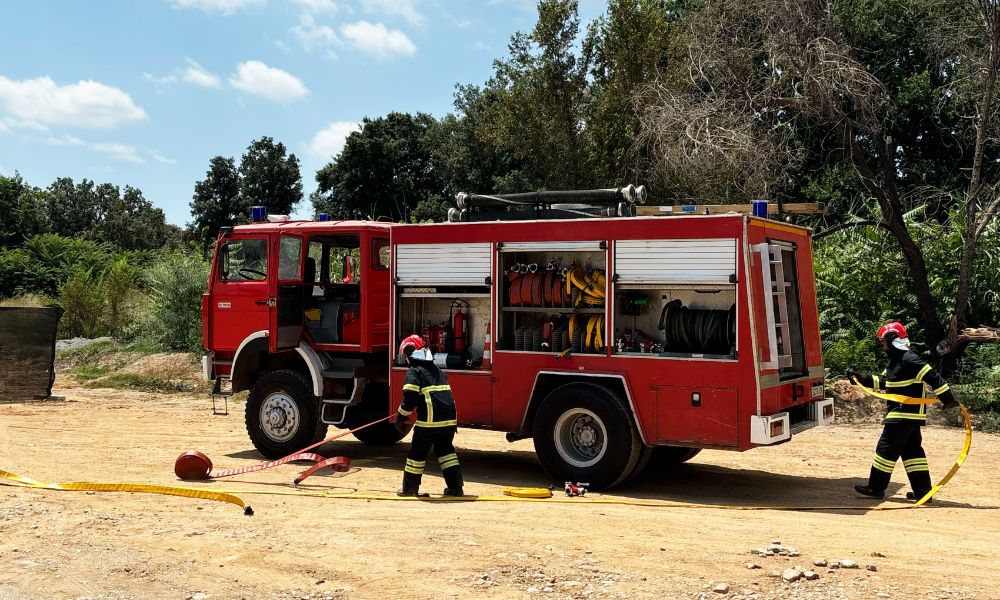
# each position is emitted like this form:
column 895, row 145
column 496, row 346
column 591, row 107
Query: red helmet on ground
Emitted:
column 895, row 334
column 414, row 347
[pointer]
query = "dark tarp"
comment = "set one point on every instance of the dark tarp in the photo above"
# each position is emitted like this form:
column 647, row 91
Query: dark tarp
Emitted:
column 27, row 352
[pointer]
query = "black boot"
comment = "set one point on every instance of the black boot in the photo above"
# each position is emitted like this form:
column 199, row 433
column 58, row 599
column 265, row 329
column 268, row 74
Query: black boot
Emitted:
column 453, row 479
column 869, row 492
column 411, row 486
column 918, row 495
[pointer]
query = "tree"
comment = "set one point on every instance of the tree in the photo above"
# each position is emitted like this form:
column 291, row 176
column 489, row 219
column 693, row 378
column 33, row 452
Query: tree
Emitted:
column 384, row 171
column 631, row 47
column 269, row 176
column 72, row 209
column 22, row 213
column 537, row 100
column 216, row 200
column 768, row 83
column 131, row 222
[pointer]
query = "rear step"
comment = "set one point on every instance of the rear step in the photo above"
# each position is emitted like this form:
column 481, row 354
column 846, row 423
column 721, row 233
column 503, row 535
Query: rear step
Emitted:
column 223, row 389
column 334, row 410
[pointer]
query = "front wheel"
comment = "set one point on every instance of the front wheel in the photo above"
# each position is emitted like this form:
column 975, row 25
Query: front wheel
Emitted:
column 282, row 414
column 584, row 433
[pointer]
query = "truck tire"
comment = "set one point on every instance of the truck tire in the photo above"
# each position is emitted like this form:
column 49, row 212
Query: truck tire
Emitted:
column 584, row 433
column 282, row 414
column 374, row 405
column 671, row 456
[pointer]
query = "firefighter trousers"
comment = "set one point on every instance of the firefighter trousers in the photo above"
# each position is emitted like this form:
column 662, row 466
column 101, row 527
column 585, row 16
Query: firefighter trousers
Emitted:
column 441, row 440
column 900, row 440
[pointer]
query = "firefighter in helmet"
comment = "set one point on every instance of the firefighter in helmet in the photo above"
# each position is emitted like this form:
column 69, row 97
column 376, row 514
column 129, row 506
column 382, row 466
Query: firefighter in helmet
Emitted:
column 427, row 392
column 905, row 375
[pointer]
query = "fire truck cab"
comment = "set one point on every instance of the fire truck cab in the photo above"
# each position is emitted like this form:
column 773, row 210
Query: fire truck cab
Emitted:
column 603, row 339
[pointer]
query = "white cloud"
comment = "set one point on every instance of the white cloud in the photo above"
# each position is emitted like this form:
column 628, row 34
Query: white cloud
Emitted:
column 254, row 77
column 315, row 37
column 4, row 128
column 221, row 7
column 120, row 151
column 406, row 9
column 329, row 141
column 24, row 124
column 195, row 74
column 318, row 6
column 83, row 104
column 377, row 40
column 66, row 140
column 162, row 159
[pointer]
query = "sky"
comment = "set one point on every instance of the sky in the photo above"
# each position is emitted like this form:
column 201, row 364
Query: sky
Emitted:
column 145, row 93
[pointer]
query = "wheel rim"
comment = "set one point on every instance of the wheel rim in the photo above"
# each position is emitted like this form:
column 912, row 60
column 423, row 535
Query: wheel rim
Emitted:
column 279, row 417
column 580, row 437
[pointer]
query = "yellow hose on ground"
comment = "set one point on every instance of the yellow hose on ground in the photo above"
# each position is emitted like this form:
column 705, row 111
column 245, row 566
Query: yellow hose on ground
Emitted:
column 959, row 461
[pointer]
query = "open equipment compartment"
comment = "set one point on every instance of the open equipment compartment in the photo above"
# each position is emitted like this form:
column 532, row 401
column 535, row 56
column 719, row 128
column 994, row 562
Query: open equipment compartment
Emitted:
column 553, row 297
column 443, row 295
column 675, row 298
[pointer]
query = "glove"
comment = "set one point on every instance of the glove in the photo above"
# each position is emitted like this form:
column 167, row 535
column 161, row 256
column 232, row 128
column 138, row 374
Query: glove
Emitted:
column 856, row 377
column 949, row 404
column 402, row 425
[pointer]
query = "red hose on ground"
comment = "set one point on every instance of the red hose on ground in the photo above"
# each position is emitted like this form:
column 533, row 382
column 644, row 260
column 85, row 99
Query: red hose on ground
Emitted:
column 194, row 466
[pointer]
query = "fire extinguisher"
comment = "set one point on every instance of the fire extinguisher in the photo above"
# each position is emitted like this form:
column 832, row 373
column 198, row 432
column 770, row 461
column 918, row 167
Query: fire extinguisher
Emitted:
column 459, row 327
column 439, row 338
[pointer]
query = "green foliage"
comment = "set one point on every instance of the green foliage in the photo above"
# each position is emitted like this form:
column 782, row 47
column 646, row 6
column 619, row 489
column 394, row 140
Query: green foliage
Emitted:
column 171, row 317
column 216, row 201
column 134, row 381
column 384, row 170
column 269, row 176
column 83, row 300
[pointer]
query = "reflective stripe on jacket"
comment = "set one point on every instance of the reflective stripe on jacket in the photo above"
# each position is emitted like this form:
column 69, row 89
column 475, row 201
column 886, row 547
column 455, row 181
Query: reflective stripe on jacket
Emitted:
column 426, row 390
column 906, row 375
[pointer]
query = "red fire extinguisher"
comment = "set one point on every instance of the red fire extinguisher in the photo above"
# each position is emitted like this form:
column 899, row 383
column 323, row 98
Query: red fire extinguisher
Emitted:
column 439, row 338
column 459, row 332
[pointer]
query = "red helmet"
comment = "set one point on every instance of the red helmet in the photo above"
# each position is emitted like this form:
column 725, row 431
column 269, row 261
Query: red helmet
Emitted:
column 414, row 347
column 895, row 334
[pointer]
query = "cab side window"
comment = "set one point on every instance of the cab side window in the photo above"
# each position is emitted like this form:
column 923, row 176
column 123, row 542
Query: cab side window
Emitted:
column 243, row 260
column 290, row 258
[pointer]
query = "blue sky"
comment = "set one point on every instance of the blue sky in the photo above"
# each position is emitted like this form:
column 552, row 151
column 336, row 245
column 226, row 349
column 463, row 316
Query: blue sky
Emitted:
column 145, row 93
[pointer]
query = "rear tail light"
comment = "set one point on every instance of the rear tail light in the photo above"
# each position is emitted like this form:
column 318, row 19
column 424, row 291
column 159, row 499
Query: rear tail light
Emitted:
column 828, row 411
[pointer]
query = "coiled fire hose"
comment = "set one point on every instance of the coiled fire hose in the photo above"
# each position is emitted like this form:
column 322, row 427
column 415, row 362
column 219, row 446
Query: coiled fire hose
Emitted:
column 697, row 330
column 591, row 285
column 959, row 461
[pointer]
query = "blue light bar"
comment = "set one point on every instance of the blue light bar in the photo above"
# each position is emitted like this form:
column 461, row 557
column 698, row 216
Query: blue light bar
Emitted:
column 258, row 214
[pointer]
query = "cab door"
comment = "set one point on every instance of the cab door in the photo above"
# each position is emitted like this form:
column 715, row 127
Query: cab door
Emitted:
column 286, row 304
column 238, row 303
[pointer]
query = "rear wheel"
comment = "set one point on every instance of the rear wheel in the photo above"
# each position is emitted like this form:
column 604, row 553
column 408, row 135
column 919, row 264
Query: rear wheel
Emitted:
column 282, row 414
column 374, row 405
column 584, row 433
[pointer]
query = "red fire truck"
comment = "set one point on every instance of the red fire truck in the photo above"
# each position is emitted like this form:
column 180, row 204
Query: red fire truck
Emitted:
column 605, row 339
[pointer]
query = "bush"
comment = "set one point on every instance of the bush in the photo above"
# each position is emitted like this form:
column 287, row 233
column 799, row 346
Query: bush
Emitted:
column 83, row 300
column 171, row 317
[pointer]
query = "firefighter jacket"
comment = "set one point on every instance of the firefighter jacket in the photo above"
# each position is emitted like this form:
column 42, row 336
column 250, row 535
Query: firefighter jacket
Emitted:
column 906, row 375
column 426, row 390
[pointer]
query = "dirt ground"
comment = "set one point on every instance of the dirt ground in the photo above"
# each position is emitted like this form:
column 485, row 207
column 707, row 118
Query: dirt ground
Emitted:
column 107, row 545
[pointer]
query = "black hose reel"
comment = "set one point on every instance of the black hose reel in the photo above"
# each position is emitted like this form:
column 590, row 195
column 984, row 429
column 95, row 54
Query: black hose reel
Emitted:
column 697, row 331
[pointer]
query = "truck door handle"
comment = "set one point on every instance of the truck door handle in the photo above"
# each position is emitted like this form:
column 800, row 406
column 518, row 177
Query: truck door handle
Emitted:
column 261, row 302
